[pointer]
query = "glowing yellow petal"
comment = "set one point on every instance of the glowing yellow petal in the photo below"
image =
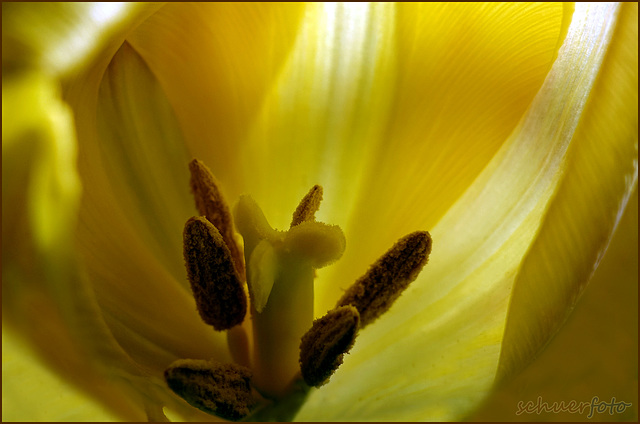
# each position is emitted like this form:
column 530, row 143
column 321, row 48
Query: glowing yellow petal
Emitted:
column 468, row 73
column 595, row 353
column 276, row 116
column 601, row 171
column 471, row 72
column 325, row 113
column 435, row 353
column 61, row 37
column 216, row 61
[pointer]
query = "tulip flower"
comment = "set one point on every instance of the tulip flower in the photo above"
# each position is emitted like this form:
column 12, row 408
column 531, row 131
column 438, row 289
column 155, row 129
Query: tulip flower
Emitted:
column 507, row 131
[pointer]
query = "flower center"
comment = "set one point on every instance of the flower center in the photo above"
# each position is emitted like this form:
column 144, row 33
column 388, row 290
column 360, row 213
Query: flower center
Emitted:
column 290, row 351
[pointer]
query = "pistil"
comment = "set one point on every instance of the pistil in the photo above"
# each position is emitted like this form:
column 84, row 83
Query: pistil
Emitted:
column 280, row 274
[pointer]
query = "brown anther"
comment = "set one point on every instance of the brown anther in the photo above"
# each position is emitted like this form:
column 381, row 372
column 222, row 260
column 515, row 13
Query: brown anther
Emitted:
column 308, row 206
column 216, row 286
column 374, row 293
column 323, row 347
column 211, row 203
column 215, row 388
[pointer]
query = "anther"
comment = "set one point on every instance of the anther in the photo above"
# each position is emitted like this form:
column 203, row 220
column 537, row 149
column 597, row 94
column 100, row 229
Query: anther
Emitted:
column 219, row 389
column 323, row 347
column 308, row 206
column 211, row 203
column 374, row 293
column 216, row 286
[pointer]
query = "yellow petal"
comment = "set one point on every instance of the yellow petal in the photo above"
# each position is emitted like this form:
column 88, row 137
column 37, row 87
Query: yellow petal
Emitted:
column 600, row 174
column 25, row 378
column 136, row 201
column 38, row 137
column 595, row 353
column 435, row 353
column 44, row 300
column 468, row 72
column 61, row 37
column 216, row 61
column 325, row 113
column 465, row 75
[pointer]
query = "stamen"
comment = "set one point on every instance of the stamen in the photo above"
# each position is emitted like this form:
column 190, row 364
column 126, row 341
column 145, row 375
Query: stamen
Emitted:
column 218, row 290
column 374, row 293
column 324, row 345
column 219, row 389
column 211, row 203
column 308, row 206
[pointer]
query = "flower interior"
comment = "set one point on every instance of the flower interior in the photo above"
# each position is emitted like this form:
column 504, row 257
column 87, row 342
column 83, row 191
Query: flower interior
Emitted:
column 282, row 352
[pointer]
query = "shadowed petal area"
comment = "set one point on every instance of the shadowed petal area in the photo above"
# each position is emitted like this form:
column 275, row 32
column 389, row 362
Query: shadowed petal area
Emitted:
column 435, row 353
column 601, row 172
column 135, row 203
column 216, row 62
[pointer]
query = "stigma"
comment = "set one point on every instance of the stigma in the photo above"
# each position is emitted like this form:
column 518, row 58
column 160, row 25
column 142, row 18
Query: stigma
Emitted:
column 272, row 275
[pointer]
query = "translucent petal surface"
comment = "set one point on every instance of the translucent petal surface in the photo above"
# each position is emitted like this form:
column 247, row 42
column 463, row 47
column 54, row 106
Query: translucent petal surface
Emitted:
column 467, row 74
column 595, row 353
column 436, row 353
column 602, row 169
column 461, row 78
column 216, row 62
column 322, row 117
column 273, row 124
column 59, row 37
